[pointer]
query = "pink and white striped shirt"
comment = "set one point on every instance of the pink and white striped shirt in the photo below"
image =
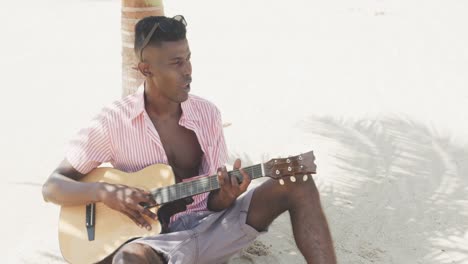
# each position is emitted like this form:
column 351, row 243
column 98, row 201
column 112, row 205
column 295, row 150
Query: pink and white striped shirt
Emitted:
column 123, row 135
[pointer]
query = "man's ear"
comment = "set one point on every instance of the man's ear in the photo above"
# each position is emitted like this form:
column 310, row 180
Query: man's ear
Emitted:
column 144, row 68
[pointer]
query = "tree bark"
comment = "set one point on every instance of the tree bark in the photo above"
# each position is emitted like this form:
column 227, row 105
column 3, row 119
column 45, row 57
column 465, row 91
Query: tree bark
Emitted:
column 132, row 12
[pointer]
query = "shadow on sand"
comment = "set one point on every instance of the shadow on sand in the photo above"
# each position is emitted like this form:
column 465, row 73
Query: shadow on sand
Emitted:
column 403, row 190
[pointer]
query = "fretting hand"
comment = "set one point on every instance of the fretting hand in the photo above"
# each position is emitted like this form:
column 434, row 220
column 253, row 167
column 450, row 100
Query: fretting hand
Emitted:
column 230, row 189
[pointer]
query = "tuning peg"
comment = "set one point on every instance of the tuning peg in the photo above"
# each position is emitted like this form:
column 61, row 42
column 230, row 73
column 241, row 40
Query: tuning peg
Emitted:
column 281, row 181
column 292, row 178
column 305, row 177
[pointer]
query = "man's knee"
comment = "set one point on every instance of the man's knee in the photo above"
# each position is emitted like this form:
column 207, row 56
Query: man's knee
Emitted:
column 302, row 191
column 137, row 253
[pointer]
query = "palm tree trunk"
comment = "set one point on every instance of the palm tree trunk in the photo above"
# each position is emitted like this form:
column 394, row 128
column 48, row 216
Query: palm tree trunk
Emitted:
column 132, row 11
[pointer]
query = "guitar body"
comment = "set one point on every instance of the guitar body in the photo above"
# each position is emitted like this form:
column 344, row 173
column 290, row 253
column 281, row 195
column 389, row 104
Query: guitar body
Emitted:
column 112, row 228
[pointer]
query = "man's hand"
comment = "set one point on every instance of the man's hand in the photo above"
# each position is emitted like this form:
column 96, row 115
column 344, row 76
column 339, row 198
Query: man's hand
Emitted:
column 127, row 200
column 229, row 190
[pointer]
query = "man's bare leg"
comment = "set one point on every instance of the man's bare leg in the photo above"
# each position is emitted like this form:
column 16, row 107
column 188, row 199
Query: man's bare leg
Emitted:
column 302, row 200
column 137, row 253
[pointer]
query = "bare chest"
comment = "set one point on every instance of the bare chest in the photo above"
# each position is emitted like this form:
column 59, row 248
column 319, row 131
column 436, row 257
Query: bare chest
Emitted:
column 182, row 148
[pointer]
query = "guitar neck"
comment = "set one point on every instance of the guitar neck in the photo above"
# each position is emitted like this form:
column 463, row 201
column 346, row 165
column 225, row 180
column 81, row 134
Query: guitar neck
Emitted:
column 205, row 184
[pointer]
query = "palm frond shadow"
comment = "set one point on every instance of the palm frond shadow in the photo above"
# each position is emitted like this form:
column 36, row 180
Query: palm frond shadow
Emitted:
column 412, row 179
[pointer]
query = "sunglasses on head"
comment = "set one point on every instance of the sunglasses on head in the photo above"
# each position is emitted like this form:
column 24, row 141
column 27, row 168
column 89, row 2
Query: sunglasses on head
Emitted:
column 163, row 25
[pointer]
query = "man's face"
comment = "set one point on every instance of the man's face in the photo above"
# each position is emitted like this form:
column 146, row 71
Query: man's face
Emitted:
column 171, row 70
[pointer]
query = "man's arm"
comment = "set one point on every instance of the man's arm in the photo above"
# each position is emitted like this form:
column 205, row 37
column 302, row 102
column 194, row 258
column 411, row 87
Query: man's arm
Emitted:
column 63, row 188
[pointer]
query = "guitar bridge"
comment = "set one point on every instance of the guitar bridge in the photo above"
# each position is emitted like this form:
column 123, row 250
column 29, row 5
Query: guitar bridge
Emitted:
column 90, row 220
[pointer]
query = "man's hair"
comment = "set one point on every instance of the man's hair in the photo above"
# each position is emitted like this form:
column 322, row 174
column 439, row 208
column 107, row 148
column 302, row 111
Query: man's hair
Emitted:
column 172, row 31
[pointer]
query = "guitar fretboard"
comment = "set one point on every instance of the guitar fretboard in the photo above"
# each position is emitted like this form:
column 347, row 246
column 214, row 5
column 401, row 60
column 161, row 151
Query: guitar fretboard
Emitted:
column 186, row 189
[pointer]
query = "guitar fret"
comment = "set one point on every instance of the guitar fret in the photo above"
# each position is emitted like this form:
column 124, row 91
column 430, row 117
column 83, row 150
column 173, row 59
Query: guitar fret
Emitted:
column 165, row 196
column 172, row 195
column 186, row 190
column 168, row 193
column 191, row 190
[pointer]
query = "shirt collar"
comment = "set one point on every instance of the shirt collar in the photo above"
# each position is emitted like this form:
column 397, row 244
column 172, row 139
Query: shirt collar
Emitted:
column 138, row 99
column 189, row 111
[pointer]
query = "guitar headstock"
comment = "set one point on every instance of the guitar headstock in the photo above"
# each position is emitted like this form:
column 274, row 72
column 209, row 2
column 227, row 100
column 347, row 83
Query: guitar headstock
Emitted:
column 301, row 165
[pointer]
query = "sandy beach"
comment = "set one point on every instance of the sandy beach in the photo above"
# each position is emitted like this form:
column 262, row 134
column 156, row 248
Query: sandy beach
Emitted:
column 378, row 89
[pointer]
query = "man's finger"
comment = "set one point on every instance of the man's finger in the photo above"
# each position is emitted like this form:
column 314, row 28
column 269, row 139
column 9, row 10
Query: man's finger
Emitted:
column 234, row 182
column 144, row 196
column 237, row 164
column 220, row 177
column 227, row 178
column 147, row 212
column 245, row 180
column 149, row 199
column 223, row 178
column 131, row 217
column 139, row 217
column 135, row 216
column 134, row 209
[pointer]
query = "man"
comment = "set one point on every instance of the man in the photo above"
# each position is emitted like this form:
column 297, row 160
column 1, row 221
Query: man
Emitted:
column 162, row 123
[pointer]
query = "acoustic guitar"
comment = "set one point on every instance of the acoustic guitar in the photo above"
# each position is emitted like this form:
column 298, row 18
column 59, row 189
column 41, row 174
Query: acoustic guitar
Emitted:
column 90, row 233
